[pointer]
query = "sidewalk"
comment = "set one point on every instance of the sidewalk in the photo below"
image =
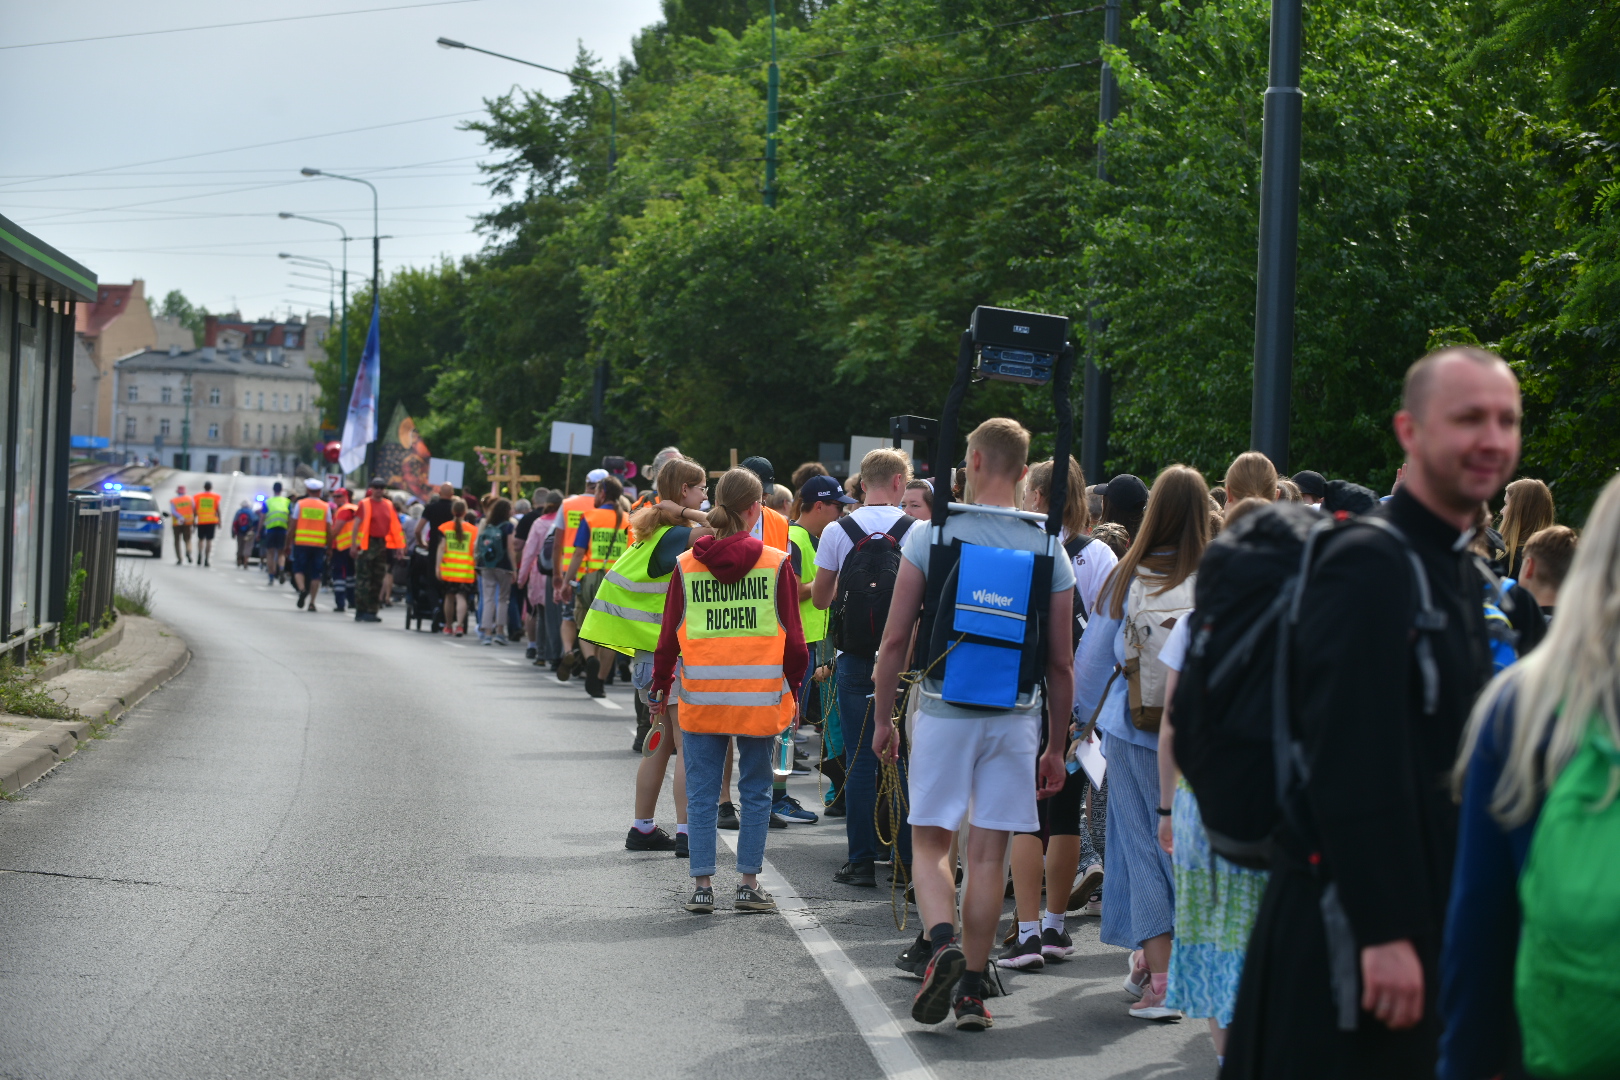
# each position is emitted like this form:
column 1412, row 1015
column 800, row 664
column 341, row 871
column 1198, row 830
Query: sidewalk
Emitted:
column 102, row 687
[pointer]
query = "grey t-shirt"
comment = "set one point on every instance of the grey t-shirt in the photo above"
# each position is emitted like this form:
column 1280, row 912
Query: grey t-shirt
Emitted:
column 989, row 530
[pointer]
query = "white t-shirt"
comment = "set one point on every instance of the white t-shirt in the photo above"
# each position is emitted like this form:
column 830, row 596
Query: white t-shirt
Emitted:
column 1174, row 653
column 835, row 543
column 1091, row 568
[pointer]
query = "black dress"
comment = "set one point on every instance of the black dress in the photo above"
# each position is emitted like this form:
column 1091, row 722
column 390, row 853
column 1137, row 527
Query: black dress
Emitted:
column 1378, row 802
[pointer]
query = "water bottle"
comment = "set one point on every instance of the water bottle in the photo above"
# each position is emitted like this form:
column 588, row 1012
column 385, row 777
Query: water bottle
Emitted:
column 782, row 754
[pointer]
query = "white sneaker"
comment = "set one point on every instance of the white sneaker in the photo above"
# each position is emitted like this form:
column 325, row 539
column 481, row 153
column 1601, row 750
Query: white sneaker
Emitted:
column 1093, row 906
column 1086, row 885
column 1153, row 1007
column 1139, row 978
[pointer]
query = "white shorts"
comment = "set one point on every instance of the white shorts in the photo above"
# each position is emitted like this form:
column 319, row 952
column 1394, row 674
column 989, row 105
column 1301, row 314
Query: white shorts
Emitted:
column 987, row 759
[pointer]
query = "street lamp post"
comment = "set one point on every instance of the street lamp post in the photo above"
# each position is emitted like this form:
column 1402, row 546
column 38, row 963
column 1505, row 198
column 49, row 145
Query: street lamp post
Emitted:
column 1097, row 383
column 376, row 233
column 772, row 79
column 613, row 99
column 185, row 425
column 599, row 389
column 1276, row 282
column 343, row 343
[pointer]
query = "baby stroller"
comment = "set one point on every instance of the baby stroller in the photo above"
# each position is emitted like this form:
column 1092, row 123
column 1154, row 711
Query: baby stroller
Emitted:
column 422, row 599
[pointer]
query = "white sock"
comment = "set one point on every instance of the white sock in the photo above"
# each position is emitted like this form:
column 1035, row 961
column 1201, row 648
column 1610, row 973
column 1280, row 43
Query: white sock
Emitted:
column 1052, row 920
column 680, row 830
column 1027, row 930
column 645, row 824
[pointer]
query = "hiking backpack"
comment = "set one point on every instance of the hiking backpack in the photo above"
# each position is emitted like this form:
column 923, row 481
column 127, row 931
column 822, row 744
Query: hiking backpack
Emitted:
column 866, row 585
column 1567, row 976
column 1234, row 739
column 491, row 546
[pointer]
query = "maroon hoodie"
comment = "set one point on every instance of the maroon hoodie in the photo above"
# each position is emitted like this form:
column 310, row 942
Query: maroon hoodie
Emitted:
column 728, row 558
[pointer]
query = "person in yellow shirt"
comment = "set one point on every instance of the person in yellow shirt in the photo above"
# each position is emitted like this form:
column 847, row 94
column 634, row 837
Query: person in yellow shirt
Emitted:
column 182, row 516
column 207, row 506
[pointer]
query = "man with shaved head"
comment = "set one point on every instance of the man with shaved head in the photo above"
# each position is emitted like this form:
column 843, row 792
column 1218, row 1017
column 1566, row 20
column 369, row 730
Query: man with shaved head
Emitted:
column 1341, row 974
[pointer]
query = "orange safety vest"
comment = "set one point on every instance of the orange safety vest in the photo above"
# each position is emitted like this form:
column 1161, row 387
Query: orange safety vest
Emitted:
column 345, row 536
column 184, row 510
column 732, row 646
column 775, row 530
column 573, row 508
column 309, row 522
column 208, row 508
column 459, row 564
column 362, row 522
column 607, row 541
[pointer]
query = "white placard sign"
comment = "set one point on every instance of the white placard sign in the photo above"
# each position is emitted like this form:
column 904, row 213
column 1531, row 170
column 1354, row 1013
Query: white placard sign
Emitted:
column 569, row 438
column 861, row 445
column 445, row 471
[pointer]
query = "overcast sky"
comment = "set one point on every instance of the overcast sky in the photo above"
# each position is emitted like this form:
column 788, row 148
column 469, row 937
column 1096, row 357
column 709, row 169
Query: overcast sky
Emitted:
column 103, row 112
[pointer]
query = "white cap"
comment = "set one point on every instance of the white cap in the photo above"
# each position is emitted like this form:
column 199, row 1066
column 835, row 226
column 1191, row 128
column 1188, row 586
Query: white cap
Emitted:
column 596, row 476
column 313, row 484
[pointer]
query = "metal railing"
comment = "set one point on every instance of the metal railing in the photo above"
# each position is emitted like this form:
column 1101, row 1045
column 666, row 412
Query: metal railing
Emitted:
column 95, row 550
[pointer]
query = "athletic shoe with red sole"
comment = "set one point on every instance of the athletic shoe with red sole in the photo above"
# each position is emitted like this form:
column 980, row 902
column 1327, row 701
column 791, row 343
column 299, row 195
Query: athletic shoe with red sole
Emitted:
column 933, row 1002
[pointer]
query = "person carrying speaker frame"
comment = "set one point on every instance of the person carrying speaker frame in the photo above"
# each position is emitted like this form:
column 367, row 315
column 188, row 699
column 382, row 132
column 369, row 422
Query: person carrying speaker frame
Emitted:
column 964, row 757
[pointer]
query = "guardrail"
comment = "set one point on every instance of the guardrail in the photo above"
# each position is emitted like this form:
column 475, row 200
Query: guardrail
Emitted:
column 95, row 550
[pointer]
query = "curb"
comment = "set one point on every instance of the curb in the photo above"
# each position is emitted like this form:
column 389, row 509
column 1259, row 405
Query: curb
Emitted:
column 27, row 762
column 89, row 651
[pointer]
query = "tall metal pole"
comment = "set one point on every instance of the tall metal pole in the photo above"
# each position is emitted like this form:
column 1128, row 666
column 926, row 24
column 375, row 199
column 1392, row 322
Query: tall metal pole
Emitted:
column 185, row 426
column 1097, row 384
column 343, row 344
column 772, row 79
column 1276, row 284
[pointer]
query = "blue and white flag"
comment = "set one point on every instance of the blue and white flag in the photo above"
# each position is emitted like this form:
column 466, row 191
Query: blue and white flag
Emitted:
column 360, row 427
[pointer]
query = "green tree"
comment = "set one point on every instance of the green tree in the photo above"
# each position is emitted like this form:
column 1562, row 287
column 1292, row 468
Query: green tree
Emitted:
column 175, row 305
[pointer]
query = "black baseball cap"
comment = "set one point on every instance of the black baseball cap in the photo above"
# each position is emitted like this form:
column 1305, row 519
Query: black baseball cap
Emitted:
column 1311, row 483
column 762, row 468
column 1126, row 492
column 823, row 489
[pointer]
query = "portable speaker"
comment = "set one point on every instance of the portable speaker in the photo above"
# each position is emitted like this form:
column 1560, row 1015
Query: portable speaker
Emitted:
column 1026, row 330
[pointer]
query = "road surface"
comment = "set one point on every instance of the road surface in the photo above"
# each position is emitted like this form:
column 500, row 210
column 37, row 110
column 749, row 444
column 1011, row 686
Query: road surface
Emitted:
column 329, row 849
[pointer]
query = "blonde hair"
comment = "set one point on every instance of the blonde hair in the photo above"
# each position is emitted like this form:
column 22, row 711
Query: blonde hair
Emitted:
column 1564, row 684
column 1241, row 507
column 1076, row 512
column 737, row 490
column 1553, row 548
column 1004, row 443
column 1526, row 510
column 673, row 475
column 779, row 499
column 1288, row 491
column 1171, row 541
column 1251, row 476
column 879, row 467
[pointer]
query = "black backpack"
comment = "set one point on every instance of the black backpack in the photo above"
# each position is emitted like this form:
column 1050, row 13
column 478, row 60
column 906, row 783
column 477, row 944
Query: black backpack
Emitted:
column 1234, row 738
column 865, row 587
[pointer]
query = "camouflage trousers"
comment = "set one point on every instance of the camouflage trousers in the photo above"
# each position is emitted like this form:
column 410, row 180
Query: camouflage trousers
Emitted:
column 372, row 566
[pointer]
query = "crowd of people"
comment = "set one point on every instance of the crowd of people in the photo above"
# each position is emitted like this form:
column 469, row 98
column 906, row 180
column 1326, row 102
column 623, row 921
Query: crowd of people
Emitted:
column 1074, row 716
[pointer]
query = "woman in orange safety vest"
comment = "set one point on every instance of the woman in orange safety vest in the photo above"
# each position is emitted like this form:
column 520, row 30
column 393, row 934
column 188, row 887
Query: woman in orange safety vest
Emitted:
column 456, row 567
column 731, row 615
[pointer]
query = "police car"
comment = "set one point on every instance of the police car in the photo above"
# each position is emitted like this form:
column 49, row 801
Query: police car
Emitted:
column 140, row 523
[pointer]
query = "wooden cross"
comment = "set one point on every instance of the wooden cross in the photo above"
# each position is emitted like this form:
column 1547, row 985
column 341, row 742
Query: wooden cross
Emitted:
column 722, row 472
column 506, row 468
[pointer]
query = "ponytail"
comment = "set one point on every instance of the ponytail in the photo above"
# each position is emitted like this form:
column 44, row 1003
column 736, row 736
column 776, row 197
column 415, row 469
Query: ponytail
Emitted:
column 737, row 490
column 458, row 512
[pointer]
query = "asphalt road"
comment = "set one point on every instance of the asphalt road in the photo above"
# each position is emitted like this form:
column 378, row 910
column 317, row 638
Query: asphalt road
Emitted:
column 339, row 850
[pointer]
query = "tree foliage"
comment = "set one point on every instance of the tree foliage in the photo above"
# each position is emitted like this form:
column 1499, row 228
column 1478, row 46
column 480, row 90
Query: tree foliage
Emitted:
column 1457, row 182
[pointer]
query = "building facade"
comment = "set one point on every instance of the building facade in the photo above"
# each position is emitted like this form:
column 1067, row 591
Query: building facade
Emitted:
column 233, row 409
column 116, row 323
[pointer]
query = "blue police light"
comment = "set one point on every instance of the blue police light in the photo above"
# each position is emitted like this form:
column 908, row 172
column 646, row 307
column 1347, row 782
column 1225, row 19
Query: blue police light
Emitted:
column 110, row 486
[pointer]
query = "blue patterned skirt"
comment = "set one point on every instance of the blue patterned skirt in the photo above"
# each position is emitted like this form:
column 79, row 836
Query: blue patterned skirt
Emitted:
column 1216, row 902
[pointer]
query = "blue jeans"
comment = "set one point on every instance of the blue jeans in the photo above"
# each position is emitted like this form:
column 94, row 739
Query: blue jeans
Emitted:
column 705, row 761
column 861, row 764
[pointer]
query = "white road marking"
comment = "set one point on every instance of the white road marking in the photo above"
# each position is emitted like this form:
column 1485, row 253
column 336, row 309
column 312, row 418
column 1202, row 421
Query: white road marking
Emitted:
column 883, row 1034
column 503, row 660
column 455, row 645
column 608, row 703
